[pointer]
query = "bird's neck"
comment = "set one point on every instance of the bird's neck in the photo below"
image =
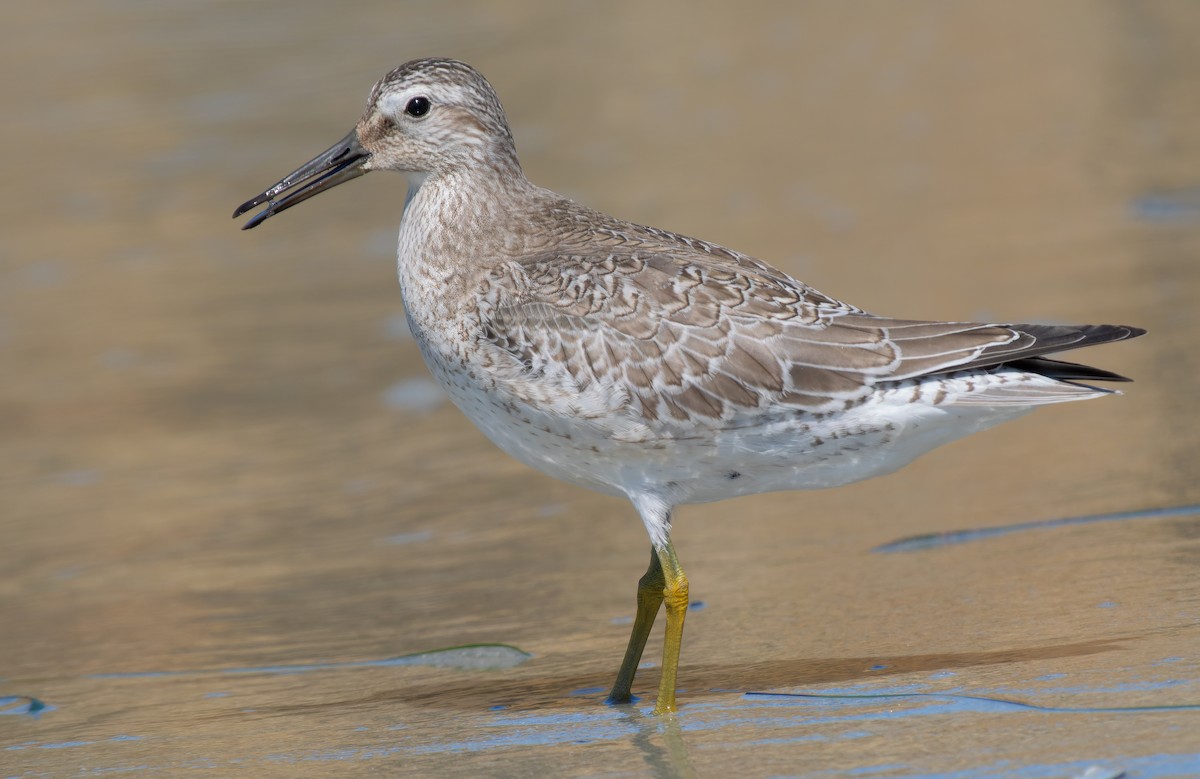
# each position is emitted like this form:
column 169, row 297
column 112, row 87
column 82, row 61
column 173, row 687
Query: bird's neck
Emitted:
column 447, row 214
column 456, row 227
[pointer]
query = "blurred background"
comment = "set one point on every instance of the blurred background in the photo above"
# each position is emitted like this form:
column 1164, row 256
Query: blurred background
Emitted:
column 220, row 450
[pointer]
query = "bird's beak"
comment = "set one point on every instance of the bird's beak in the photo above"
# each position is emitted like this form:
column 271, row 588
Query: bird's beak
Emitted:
column 339, row 163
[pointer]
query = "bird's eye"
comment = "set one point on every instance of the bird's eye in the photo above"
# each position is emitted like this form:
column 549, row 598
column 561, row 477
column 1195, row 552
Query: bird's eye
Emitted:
column 418, row 107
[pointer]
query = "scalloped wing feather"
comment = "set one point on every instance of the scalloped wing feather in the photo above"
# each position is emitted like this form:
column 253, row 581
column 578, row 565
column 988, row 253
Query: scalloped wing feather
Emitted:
column 720, row 339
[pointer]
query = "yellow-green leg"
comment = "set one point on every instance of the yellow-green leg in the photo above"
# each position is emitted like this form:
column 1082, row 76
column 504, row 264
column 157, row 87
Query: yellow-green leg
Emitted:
column 675, row 598
column 663, row 582
column 649, row 598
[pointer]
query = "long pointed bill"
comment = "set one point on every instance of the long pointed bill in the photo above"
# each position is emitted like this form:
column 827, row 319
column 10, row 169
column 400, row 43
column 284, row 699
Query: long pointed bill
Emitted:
column 336, row 165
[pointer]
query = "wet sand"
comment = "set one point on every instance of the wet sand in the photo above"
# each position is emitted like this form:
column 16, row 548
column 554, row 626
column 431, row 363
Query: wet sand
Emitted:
column 229, row 496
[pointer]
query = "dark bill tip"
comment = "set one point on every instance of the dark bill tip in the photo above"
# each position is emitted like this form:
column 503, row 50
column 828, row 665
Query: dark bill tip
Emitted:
column 336, row 165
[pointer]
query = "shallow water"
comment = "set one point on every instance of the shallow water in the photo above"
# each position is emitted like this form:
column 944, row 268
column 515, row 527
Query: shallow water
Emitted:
column 242, row 534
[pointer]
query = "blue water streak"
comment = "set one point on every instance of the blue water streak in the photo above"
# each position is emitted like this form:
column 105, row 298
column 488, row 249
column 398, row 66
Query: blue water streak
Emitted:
column 932, row 540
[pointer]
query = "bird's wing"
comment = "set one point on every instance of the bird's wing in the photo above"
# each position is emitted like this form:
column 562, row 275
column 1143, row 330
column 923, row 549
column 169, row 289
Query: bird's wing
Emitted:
column 685, row 337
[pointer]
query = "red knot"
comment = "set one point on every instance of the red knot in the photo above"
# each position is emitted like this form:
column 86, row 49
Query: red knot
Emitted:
column 647, row 364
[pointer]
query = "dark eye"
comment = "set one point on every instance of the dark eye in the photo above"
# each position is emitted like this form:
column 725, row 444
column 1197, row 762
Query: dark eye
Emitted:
column 418, row 106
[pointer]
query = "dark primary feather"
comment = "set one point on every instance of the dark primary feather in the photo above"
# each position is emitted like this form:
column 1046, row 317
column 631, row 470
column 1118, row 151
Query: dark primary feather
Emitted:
column 1070, row 371
column 1037, row 340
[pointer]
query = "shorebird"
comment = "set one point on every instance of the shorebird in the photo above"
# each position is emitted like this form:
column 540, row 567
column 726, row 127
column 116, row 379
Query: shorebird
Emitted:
column 643, row 363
